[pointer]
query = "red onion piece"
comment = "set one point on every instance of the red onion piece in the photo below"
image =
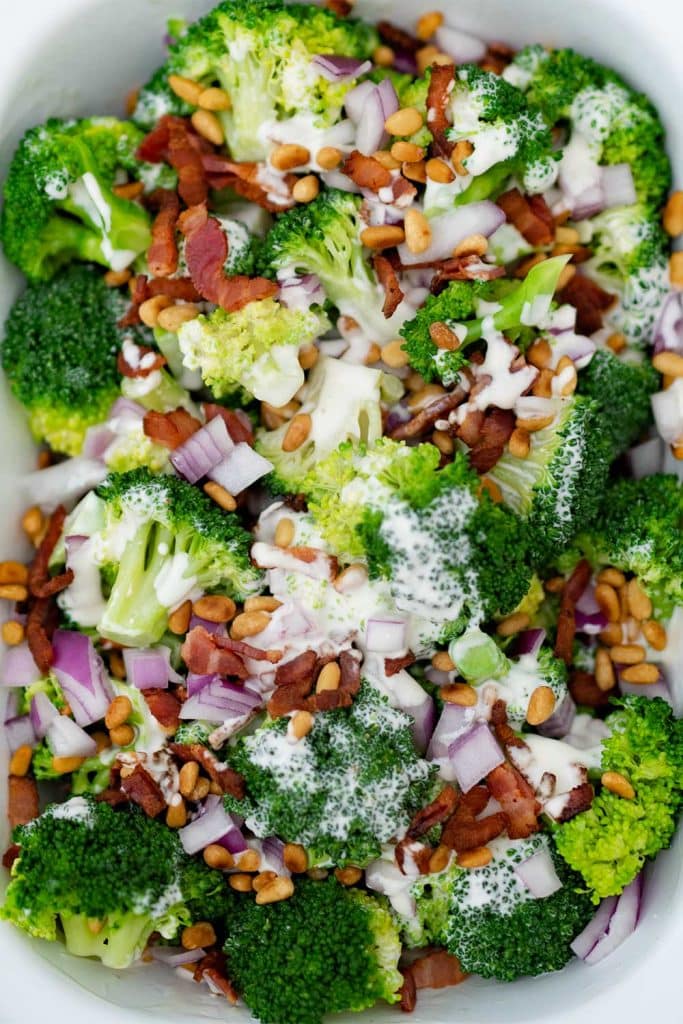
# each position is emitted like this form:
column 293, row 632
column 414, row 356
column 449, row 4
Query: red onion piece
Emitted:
column 12, row 705
column 386, row 636
column 449, row 229
column 579, row 348
column 405, row 62
column 388, row 97
column 539, row 875
column 461, row 46
column 667, row 408
column 371, row 134
column 560, row 722
column 590, row 623
column 215, row 628
column 474, row 755
column 355, row 99
column 301, row 292
column 63, row 483
column 586, row 940
column 617, row 185
column 18, row 667
column 97, row 440
column 126, row 407
column 621, row 924
column 668, row 332
column 43, row 713
column 203, row 450
column 211, row 827
column 67, row 739
column 453, row 721
column 19, row 732
column 530, row 641
column 339, row 69
column 273, row 855
column 242, row 467
column 196, row 682
column 424, row 721
column 176, row 956
column 80, row 672
column 149, row 668
column 219, row 701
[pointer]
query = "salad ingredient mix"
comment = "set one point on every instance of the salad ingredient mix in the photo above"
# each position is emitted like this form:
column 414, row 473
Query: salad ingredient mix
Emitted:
column 346, row 661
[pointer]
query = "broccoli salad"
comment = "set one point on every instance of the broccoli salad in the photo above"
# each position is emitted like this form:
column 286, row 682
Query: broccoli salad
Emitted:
column 345, row 663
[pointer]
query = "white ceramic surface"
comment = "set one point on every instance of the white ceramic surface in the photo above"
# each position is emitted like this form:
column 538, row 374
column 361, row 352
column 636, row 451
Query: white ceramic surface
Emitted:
column 81, row 57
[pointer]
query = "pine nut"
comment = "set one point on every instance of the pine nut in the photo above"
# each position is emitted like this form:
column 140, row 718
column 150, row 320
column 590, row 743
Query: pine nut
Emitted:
column 206, row 124
column 643, row 674
column 677, row 451
column 289, row 156
column 613, row 577
column 116, row 278
column 318, row 874
column 439, row 859
column 214, row 99
column 216, row 856
column 186, row 89
column 13, row 633
column 565, row 277
column 262, row 604
column 616, row 783
column 306, row 189
column 519, row 443
column 513, row 624
column 328, row 157
column 301, row 724
column 102, row 740
column 427, row 25
column 44, row 460
column 608, row 601
column 20, row 761
column 131, row 190
column 176, row 813
column 639, row 603
column 566, row 236
column 284, row 532
column 406, row 121
column 383, row 56
column 473, row 245
column 543, row 385
column 262, row 880
column 672, row 217
column 13, row 592
column 439, row 171
column 491, row 488
column 569, row 386
column 421, row 399
column 179, row 620
column 477, row 858
column 407, row 152
column 394, row 355
column 64, row 765
column 297, row 432
column 187, row 778
column 655, row 634
column 443, row 337
column 384, row 157
column 417, row 230
column 443, row 59
column 444, row 442
column 32, row 522
column 149, row 310
column 308, row 357
column 541, row 705
column 122, row 735
column 373, row 354
column 118, row 712
column 173, row 317
column 670, row 363
column 223, row 498
column 443, row 662
column 198, row 936
column 280, row 888
column 461, row 694
column 329, row 677
column 215, row 608
column 539, row 354
column 202, row 790
column 676, row 269
column 117, row 665
column 350, row 578
column 249, row 624
column 627, row 654
column 414, row 170
column 348, row 876
column 555, row 585
column 534, row 423
column 241, row 883
column 616, row 342
column 604, row 670
column 461, row 151
column 295, row 858
column 414, row 381
column 250, row 860
column 612, row 634
column 384, row 236
column 425, row 57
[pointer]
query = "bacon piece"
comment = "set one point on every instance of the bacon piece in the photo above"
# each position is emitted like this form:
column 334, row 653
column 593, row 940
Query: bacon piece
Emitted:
column 162, row 255
column 238, row 423
column 530, row 215
column 585, row 690
column 342, row 8
column 10, row 855
column 499, row 720
column 170, row 429
column 437, row 970
column 394, row 665
column 126, row 370
column 463, row 268
column 141, row 789
column 365, row 171
column 580, row 799
column 517, row 799
column 438, row 96
column 213, row 966
column 185, row 159
column 207, row 654
column 40, row 584
column 138, row 295
column 438, row 811
column 292, row 697
column 113, row 797
column 243, row 178
column 463, row 831
column 23, row 805
column 427, row 417
column 154, row 147
column 397, row 37
column 206, row 250
column 165, row 707
column 470, row 428
column 419, row 857
column 408, row 991
column 193, row 219
column 297, row 670
column 229, row 780
column 38, row 634
column 388, row 278
column 247, row 651
column 174, row 288
column 589, row 300
column 329, row 700
column 349, row 666
column 566, row 621
column 494, row 435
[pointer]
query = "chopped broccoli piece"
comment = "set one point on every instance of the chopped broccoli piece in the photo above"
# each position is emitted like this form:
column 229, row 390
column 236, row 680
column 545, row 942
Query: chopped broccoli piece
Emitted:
column 622, row 392
column 49, row 686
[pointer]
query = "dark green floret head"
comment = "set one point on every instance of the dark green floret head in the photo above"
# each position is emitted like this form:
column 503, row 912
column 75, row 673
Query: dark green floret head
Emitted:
column 622, row 391
column 327, row 949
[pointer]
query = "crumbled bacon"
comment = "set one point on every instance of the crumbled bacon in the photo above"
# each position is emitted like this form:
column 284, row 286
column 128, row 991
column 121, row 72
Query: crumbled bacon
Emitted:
column 394, row 665
column 566, row 621
column 297, row 670
column 438, row 95
column 585, row 690
column 329, row 700
column 170, row 429
column 155, row 363
column 40, row 623
column 417, row 854
column 236, row 420
column 113, row 797
column 579, row 799
column 292, row 697
column 435, row 813
column 342, row 8
column 349, row 666
column 154, row 147
column 245, row 650
column 463, row 831
column 495, row 433
column 165, row 707
column 23, row 805
column 10, row 855
column 174, row 288
column 186, row 160
column 506, row 736
column 40, row 584
column 213, row 967
column 470, row 428
column 426, row 418
column 589, row 300
column 517, row 799
column 530, row 215
column 243, row 178
column 397, row 37
column 229, row 780
column 388, row 278
column 408, row 991
column 141, row 789
column 437, row 969
column 208, row 654
column 463, row 268
column 138, row 295
column 365, row 171
column 162, row 255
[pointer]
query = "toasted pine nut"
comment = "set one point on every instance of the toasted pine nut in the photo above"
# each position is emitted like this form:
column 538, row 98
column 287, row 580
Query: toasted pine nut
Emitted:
column 604, row 671
column 44, row 459
column 427, row 25
column 306, row 189
column 216, row 856
column 122, row 735
column 348, row 876
column 295, row 858
column 206, row 124
column 421, row 399
column 539, row 354
column 444, row 442
column 328, row 157
column 383, row 56
column 263, row 879
column 459, row 693
column 461, row 151
column 555, row 585
column 616, row 783
column 415, row 381
column 149, row 309
column 676, row 269
column 102, row 740
column 284, row 532
column 644, row 674
column 639, row 603
column 185, row 88
column 543, row 385
column 473, row 245
column 541, row 705
column 317, row 874
column 118, row 712
column 179, row 620
column 350, row 578
column 215, row 608
column 394, row 355
column 250, row 860
column 565, row 277
column 130, row 190
column 562, row 369
column 417, row 230
column 519, row 443
column 616, row 342
column 187, row 778
column 443, row 59
column 383, row 236
column 655, row 634
column 627, row 654
column 523, row 268
column 223, row 498
column 301, row 724
column 414, row 170
column 13, row 592
column 439, row 171
column 173, row 317
column 677, row 451
column 514, row 623
column 20, row 761
column 297, row 432
column 116, row 278
column 425, row 56
column 443, row 337
column 534, row 423
column 612, row 634
column 439, row 859
column 249, row 624
column 613, row 577
column 443, row 662
column 64, row 765
column 198, row 936
column 670, row 363
column 672, row 218
column 214, row 99
column 308, row 357
column 262, row 604
column 202, row 789
column 32, row 521
column 567, row 236
column 281, row 888
column 13, row 633
column 384, row 157
column 406, row 121
column 606, row 597
column 288, row 156
column 407, row 152
column 241, row 882
column 373, row 354
column 477, row 858
column 329, row 677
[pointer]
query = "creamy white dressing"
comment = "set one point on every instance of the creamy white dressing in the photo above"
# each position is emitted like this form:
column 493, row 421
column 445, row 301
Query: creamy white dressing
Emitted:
column 174, row 583
column 506, row 386
column 87, row 195
column 75, row 809
column 83, row 599
column 302, row 130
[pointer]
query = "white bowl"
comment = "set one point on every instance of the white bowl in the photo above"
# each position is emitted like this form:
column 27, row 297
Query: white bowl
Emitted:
column 77, row 57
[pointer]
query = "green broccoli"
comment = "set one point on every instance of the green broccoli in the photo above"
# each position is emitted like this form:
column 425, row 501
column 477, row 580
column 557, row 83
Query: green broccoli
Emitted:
column 49, row 686
column 622, row 392
column 609, row 843
column 71, row 856
column 59, row 203
column 336, row 949
column 255, row 349
column 350, row 785
column 59, row 353
column 491, row 922
column 259, row 52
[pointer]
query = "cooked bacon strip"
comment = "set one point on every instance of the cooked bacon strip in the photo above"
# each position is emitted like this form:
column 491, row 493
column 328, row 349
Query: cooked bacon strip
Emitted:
column 297, row 670
column 154, row 147
column 206, row 654
column 141, row 789
column 585, row 690
column 10, row 855
column 394, row 665
column 388, row 278
column 342, row 8
column 38, row 634
column 165, row 707
column 329, row 700
column 113, row 797
column 292, row 697
column 138, row 295
column 397, row 37
column 170, row 429
column 470, row 428
column 238, row 423
column 420, row 857
column 438, row 95
column 408, row 991
column 464, row 268
column 365, row 171
column 494, row 435
column 23, row 805
column 426, row 418
column 126, row 370
column 213, row 966
column 247, row 651
column 463, row 831
column 589, row 300
column 243, row 178
column 192, row 219
column 38, row 573
column 437, row 970
column 438, row 811
column 206, row 251
column 499, row 720
column 229, row 780
column 566, row 621
column 162, row 255
column 349, row 665
column 530, row 215
column 185, row 159
column 517, row 799
column 174, row 288
column 580, row 799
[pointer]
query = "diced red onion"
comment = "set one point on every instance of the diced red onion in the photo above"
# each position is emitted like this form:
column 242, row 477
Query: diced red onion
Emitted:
column 43, row 713
column 97, row 440
column 587, row 603
column 19, row 732
column 355, row 99
column 219, row 701
column 12, row 704
column 539, row 875
column 474, row 755
column 587, row 940
column 617, row 185
column 424, row 721
column 646, row 458
column 233, row 841
column 385, row 636
column 149, row 668
column 203, row 450
column 405, row 62
column 242, row 467
column 560, row 722
column 196, row 682
column 371, row 134
column 461, row 46
column 300, row 293
column 339, row 69
column 667, row 408
column 453, row 721
column 215, row 628
column 449, row 229
column 531, row 407
column 126, row 407
column 576, row 346
column 18, row 667
column 176, row 956
column 668, row 332
column 80, row 672
column 273, row 856
column 63, row 483
column 388, row 97
column 590, row 623
column 530, row 641
column 67, row 739
column 621, row 924
column 589, row 203
column 212, row 826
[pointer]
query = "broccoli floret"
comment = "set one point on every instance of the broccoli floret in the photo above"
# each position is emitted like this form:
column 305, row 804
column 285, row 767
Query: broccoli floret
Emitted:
column 358, row 418
column 458, row 305
column 42, row 763
column 336, row 949
column 558, row 487
column 162, row 539
column 622, row 392
column 323, row 238
column 350, row 785
column 49, row 686
column 194, row 732
column 93, row 775
column 59, row 203
column 609, row 843
column 552, row 79
column 256, row 349
column 259, row 52
column 59, row 353
column 63, row 876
